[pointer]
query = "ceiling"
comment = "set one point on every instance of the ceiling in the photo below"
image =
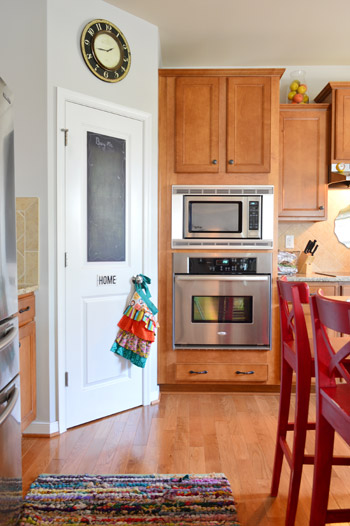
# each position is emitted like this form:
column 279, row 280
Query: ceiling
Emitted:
column 247, row 33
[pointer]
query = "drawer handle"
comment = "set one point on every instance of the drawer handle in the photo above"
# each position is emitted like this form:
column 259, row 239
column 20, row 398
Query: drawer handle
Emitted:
column 24, row 310
column 244, row 372
column 198, row 372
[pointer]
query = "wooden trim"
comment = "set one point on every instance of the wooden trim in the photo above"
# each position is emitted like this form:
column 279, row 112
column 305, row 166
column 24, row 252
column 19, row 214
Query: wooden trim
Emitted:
column 326, row 93
column 303, row 107
column 217, row 388
column 263, row 72
column 47, row 435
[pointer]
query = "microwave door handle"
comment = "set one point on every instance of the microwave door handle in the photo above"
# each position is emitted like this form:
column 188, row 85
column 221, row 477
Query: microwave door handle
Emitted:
column 8, row 338
column 206, row 277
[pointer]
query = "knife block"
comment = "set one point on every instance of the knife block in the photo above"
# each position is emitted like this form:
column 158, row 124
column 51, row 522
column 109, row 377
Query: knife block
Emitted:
column 305, row 263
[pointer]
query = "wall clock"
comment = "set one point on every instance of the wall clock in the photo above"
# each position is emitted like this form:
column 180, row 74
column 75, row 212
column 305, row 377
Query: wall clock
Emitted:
column 105, row 50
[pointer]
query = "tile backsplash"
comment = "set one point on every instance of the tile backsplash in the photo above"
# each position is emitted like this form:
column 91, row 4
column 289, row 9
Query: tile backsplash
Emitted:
column 331, row 255
column 27, row 234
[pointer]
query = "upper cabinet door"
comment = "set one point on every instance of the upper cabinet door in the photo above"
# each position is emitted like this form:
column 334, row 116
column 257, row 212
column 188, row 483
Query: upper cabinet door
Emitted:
column 197, row 125
column 248, row 124
column 342, row 128
column 304, row 153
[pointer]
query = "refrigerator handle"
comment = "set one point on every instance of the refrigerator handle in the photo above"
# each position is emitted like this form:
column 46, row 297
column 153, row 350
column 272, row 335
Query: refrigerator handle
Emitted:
column 8, row 338
column 11, row 397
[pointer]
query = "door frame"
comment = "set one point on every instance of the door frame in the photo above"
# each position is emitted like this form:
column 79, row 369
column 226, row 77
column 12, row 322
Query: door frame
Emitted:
column 63, row 97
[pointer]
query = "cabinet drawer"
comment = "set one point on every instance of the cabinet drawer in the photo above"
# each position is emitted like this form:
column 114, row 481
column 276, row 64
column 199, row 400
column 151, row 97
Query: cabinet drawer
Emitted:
column 222, row 372
column 26, row 308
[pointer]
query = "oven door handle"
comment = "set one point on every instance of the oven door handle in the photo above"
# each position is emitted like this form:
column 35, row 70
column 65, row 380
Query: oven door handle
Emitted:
column 10, row 397
column 206, row 277
column 8, row 337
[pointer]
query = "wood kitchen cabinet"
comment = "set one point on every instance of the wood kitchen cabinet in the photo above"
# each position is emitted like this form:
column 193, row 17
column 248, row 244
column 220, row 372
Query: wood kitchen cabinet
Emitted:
column 304, row 160
column 208, row 118
column 27, row 356
column 222, row 122
column 345, row 290
column 338, row 94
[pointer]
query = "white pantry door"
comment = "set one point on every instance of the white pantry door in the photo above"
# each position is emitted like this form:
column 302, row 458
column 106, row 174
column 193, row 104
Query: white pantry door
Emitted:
column 104, row 156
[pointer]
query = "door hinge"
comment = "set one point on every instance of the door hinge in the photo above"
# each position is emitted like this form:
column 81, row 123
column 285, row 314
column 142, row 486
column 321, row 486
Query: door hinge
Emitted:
column 65, row 130
column 66, row 379
column 65, row 259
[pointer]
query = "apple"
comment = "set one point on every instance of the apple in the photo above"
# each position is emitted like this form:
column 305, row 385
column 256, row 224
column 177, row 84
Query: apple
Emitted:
column 294, row 85
column 302, row 88
column 306, row 98
column 291, row 95
column 298, row 97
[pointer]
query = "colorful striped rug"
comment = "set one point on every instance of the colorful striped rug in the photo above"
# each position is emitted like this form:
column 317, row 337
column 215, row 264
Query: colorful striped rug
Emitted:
column 62, row 500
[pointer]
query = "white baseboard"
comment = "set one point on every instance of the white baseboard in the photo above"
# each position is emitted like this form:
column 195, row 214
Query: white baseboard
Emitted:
column 41, row 428
column 154, row 396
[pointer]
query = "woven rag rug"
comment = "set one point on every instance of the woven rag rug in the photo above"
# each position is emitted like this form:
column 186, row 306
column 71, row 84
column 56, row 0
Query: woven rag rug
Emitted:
column 62, row 500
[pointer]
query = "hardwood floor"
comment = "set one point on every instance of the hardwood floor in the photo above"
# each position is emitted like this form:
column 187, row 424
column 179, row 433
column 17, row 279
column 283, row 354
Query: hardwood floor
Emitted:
column 232, row 434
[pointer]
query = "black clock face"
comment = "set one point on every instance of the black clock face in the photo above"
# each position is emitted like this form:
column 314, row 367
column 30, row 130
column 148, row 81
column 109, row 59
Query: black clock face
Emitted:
column 105, row 50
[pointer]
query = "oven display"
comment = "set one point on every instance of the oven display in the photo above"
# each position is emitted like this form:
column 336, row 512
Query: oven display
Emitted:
column 237, row 265
column 222, row 309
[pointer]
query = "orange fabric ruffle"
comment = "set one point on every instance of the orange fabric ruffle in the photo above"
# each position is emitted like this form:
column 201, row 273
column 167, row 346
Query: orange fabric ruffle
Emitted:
column 137, row 328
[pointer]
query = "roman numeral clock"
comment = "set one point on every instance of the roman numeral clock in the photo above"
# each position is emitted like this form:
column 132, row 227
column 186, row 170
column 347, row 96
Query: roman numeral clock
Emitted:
column 105, row 50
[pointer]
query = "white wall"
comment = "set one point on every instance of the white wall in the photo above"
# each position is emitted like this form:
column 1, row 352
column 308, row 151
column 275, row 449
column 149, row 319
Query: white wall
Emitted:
column 40, row 52
column 23, row 64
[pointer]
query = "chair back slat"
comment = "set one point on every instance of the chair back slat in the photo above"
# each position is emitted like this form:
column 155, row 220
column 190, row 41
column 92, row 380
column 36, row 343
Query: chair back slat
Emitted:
column 286, row 317
column 292, row 295
column 335, row 363
column 327, row 313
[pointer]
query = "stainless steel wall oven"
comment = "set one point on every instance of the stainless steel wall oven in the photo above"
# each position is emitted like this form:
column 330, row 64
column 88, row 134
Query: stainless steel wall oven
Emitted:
column 222, row 300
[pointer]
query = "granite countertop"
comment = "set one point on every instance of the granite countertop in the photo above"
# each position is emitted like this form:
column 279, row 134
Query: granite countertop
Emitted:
column 26, row 289
column 322, row 276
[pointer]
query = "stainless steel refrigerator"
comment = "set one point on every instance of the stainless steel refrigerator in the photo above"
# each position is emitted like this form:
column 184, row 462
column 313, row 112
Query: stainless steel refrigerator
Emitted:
column 10, row 414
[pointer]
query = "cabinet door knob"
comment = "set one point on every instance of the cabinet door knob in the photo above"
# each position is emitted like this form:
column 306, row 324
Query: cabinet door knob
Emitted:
column 321, row 207
column 214, row 161
column 231, row 161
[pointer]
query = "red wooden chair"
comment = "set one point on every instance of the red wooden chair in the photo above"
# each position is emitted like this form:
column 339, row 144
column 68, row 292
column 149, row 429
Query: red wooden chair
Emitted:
column 333, row 401
column 295, row 357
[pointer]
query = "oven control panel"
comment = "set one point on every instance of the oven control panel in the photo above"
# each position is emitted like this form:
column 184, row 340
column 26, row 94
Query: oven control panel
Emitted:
column 237, row 265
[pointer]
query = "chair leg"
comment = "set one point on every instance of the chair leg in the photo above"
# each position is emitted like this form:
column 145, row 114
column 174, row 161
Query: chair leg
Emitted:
column 322, row 472
column 285, row 392
column 299, row 438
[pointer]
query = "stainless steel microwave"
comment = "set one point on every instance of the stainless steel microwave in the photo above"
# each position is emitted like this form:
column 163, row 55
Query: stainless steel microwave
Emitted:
column 222, row 216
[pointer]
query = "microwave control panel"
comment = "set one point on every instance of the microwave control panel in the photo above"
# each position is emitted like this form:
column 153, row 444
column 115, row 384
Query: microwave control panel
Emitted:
column 238, row 265
column 254, row 215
